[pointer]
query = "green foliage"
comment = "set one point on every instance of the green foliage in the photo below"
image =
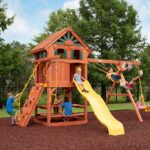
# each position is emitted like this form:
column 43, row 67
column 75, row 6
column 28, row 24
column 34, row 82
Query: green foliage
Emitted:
column 58, row 20
column 4, row 20
column 110, row 26
column 40, row 38
column 15, row 67
column 145, row 59
column 61, row 19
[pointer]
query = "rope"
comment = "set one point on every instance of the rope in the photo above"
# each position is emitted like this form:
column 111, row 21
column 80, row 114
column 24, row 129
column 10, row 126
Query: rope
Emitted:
column 113, row 67
column 104, row 72
column 141, row 89
column 99, row 69
column 103, row 66
column 21, row 93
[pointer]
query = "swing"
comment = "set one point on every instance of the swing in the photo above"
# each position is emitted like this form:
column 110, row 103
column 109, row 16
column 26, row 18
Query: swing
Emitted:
column 145, row 108
column 113, row 77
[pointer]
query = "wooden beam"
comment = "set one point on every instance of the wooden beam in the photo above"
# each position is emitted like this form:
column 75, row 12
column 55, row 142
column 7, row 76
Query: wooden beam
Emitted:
column 41, row 60
column 70, row 61
column 111, row 90
column 69, row 123
column 107, row 61
column 85, row 100
column 134, row 106
column 118, row 94
column 48, row 106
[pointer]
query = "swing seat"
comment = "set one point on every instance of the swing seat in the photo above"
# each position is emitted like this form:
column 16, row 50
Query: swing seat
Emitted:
column 147, row 108
column 115, row 77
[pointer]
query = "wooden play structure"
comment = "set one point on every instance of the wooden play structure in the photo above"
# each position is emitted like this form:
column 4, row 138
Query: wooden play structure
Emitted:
column 55, row 61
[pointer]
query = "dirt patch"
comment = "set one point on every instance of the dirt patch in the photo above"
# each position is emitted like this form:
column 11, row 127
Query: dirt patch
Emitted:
column 91, row 136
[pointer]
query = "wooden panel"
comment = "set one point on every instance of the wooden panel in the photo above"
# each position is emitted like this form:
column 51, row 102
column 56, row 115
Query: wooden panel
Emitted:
column 60, row 74
column 41, row 78
column 58, row 124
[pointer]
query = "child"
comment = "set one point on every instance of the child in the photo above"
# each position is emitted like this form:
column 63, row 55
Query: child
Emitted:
column 9, row 106
column 118, row 76
column 140, row 105
column 67, row 106
column 130, row 85
column 57, row 103
column 78, row 78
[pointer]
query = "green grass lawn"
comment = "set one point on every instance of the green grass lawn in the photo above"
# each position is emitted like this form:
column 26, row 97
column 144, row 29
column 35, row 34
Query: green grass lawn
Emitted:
column 112, row 107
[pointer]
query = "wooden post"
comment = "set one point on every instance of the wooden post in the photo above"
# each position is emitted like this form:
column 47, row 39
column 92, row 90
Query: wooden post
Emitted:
column 35, row 74
column 116, row 94
column 110, row 92
column 85, row 101
column 70, row 94
column 48, row 105
column 134, row 106
column 35, row 112
column 49, row 92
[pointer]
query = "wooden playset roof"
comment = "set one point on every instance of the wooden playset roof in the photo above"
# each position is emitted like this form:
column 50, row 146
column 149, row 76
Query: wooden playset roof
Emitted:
column 55, row 36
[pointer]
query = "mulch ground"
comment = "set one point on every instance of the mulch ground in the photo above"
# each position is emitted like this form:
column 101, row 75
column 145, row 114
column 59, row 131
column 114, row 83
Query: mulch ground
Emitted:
column 91, row 136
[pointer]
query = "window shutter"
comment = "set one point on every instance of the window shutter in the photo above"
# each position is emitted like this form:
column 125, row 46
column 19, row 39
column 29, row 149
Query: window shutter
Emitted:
column 56, row 52
column 65, row 54
column 80, row 55
column 72, row 54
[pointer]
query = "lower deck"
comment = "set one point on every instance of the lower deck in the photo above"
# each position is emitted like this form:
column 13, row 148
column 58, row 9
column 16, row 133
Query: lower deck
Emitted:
column 58, row 118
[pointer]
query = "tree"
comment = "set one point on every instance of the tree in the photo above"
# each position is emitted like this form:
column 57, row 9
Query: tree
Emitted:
column 5, row 21
column 15, row 67
column 57, row 21
column 145, row 59
column 111, row 28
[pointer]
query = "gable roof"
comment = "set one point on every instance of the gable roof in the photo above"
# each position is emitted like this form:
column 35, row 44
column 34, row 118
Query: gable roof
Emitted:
column 55, row 36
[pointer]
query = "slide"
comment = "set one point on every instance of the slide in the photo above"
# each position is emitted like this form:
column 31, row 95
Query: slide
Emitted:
column 101, row 111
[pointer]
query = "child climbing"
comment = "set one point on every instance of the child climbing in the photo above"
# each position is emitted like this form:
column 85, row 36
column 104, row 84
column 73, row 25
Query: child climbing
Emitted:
column 78, row 78
column 67, row 106
column 9, row 106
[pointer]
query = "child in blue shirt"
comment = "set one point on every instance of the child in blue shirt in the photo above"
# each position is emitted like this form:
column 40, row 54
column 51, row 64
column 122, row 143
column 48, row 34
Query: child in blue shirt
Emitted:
column 78, row 78
column 67, row 106
column 9, row 106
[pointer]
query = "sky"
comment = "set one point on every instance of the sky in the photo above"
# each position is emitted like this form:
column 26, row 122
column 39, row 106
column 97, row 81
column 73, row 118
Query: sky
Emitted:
column 31, row 16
